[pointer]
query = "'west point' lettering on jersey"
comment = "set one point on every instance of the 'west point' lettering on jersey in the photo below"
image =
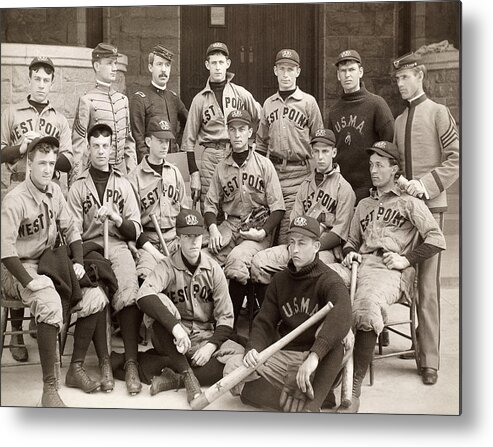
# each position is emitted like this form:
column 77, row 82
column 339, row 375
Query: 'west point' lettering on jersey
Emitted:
column 181, row 295
column 287, row 112
column 29, row 125
column 351, row 121
column 229, row 102
column 152, row 196
column 328, row 202
column 111, row 195
column 33, row 226
column 254, row 181
column 299, row 306
column 389, row 215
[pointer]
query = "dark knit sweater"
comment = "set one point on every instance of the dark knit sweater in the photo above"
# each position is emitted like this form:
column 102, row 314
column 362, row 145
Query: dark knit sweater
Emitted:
column 293, row 297
column 358, row 120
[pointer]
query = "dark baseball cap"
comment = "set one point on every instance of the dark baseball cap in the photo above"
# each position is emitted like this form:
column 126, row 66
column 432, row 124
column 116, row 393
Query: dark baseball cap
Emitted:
column 348, row 55
column 409, row 60
column 161, row 51
column 242, row 116
column 42, row 60
column 104, row 50
column 217, row 46
column 288, row 56
column 305, row 225
column 385, row 149
column 324, row 136
column 160, row 128
column 46, row 139
column 101, row 127
column 189, row 222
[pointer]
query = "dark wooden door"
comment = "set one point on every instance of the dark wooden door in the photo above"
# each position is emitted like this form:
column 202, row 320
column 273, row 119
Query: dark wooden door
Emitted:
column 254, row 34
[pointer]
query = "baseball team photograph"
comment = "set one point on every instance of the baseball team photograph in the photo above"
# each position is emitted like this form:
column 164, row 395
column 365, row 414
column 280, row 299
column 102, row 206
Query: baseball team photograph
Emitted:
column 247, row 208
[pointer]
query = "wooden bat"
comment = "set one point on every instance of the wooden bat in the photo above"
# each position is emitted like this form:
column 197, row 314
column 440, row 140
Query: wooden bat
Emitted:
column 347, row 372
column 240, row 373
column 106, row 239
column 403, row 182
column 106, row 251
column 160, row 234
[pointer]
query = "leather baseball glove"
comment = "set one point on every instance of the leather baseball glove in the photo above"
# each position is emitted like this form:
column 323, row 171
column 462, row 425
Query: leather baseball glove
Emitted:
column 255, row 219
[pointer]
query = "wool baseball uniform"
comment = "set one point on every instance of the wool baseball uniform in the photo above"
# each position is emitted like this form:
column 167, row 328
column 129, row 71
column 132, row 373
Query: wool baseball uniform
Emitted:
column 237, row 191
column 331, row 202
column 285, row 130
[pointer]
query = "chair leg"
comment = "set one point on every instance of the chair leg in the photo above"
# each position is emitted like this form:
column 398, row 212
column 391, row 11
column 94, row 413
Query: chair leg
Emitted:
column 4, row 327
column 414, row 335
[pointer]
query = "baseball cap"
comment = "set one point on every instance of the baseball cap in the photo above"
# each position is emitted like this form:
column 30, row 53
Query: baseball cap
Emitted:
column 160, row 128
column 385, row 149
column 324, row 136
column 46, row 139
column 189, row 222
column 104, row 50
column 163, row 52
column 288, row 56
column 305, row 225
column 42, row 60
column 242, row 116
column 348, row 55
column 100, row 127
column 217, row 46
column 409, row 60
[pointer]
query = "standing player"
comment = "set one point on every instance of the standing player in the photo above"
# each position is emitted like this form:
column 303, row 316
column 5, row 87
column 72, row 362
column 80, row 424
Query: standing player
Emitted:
column 428, row 142
column 160, row 188
column 104, row 105
column 21, row 124
column 101, row 192
column 298, row 377
column 155, row 99
column 326, row 196
column 31, row 213
column 358, row 119
column 206, row 124
column 289, row 120
column 243, row 183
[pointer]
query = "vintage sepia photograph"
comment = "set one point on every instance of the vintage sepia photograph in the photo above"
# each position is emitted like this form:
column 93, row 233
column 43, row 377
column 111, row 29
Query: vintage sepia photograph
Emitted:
column 233, row 207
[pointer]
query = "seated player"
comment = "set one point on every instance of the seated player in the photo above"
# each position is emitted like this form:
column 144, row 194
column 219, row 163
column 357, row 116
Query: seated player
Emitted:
column 383, row 238
column 101, row 192
column 187, row 297
column 299, row 377
column 326, row 196
column 242, row 184
column 160, row 189
column 31, row 213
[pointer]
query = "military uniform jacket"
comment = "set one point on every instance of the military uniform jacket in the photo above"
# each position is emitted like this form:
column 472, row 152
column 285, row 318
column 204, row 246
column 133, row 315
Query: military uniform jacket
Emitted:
column 29, row 221
column 151, row 101
column 202, row 299
column 428, row 142
column 83, row 202
column 206, row 121
column 392, row 222
column 103, row 104
column 163, row 195
column 237, row 190
column 286, row 127
column 22, row 118
column 331, row 202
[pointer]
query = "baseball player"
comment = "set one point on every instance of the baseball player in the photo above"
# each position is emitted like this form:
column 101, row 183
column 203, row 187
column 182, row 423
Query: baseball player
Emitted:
column 155, row 99
column 21, row 124
column 206, row 124
column 243, row 183
column 104, row 105
column 326, row 196
column 32, row 212
column 160, row 189
column 289, row 120
column 187, row 297
column 101, row 192
column 428, row 142
column 390, row 231
column 359, row 119
column 298, row 377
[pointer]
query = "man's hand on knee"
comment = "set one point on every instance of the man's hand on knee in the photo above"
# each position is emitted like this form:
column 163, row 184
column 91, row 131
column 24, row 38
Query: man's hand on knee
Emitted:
column 393, row 261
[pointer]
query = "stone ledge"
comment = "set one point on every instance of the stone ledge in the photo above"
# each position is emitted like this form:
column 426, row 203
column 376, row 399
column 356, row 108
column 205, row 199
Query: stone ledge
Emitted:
column 441, row 61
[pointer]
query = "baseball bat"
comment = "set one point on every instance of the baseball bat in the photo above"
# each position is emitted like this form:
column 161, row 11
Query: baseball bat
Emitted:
column 347, row 372
column 240, row 373
column 106, row 239
column 106, row 251
column 403, row 182
column 159, row 233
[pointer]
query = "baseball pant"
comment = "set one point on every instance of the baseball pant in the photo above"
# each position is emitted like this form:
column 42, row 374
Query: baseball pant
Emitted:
column 210, row 159
column 429, row 308
column 290, row 177
column 274, row 259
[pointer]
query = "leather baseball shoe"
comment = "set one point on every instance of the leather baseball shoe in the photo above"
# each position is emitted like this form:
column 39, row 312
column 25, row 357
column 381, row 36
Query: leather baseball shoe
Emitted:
column 19, row 351
column 132, row 378
column 50, row 397
column 78, row 378
column 168, row 380
column 107, row 381
column 429, row 376
column 192, row 385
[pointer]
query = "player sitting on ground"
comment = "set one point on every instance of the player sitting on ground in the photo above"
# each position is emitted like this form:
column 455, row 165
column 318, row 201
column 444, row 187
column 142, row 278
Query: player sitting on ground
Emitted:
column 383, row 237
column 308, row 366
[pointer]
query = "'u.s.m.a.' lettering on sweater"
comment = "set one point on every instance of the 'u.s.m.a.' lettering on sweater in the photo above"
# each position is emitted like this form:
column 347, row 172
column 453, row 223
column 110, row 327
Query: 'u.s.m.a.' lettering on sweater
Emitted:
column 298, row 305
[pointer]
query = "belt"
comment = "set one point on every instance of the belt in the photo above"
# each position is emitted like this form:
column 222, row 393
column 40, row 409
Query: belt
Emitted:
column 280, row 161
column 163, row 230
column 17, row 176
column 378, row 252
column 220, row 145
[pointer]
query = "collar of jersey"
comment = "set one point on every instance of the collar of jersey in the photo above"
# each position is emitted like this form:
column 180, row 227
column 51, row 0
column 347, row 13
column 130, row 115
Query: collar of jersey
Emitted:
column 177, row 262
column 229, row 158
column 85, row 173
column 395, row 190
column 297, row 95
column 36, row 193
column 25, row 105
column 147, row 168
column 335, row 170
column 207, row 89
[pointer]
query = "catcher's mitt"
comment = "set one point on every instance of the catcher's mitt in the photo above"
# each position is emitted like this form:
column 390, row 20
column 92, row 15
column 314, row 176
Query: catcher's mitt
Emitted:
column 255, row 219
